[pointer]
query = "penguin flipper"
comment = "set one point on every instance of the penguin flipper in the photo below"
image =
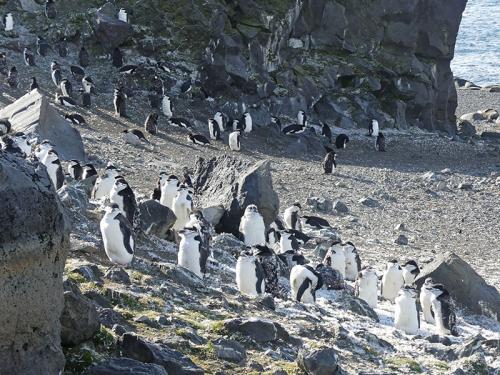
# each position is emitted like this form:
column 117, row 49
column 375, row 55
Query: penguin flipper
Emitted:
column 127, row 232
column 307, row 283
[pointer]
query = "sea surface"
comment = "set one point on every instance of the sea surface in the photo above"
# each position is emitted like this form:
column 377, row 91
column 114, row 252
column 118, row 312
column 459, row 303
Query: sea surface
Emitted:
column 477, row 52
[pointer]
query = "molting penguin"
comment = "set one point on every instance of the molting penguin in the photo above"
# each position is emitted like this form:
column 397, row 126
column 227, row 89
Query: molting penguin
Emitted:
column 252, row 226
column 352, row 261
column 117, row 57
column 213, row 129
column 119, row 102
column 235, row 140
column 326, row 132
column 304, row 281
column 335, row 258
column 198, row 139
column 105, row 182
column 406, row 315
column 392, row 281
column 134, row 137
column 341, row 141
column 29, row 57
column 151, row 123
column 75, row 170
column 366, row 286
column 443, row 310
column 380, row 143
column 166, row 106
column 191, row 254
column 250, row 277
column 247, row 122
column 5, row 127
column 54, row 169
column 410, row 272
column 50, row 9
column 8, row 22
column 182, row 206
column 272, row 266
column 373, row 128
column 124, row 197
column 117, row 236
column 291, row 217
column 330, row 161
column 168, row 186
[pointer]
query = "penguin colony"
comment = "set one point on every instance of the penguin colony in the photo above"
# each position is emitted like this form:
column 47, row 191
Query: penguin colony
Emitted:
column 270, row 250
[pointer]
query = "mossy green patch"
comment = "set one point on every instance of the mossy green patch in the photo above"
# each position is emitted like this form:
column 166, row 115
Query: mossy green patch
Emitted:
column 396, row 363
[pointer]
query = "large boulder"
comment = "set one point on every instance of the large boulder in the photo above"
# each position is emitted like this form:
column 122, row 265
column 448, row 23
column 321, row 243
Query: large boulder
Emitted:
column 108, row 29
column 34, row 242
column 120, row 366
column 322, row 361
column 234, row 184
column 156, row 219
column 33, row 115
column 468, row 289
column 259, row 330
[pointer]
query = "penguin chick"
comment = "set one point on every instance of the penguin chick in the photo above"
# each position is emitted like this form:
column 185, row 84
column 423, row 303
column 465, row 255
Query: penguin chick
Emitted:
column 252, row 226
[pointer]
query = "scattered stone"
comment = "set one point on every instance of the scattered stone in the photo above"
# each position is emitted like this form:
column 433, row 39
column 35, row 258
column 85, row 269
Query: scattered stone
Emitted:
column 181, row 275
column 89, row 272
column 401, row 240
column 437, row 339
column 229, row 350
column 156, row 219
column 320, row 204
column 432, row 176
column 465, row 186
column 340, row 207
column 473, row 365
column 465, row 128
column 467, row 288
column 259, row 330
column 147, row 321
column 369, row 202
column 401, row 226
column 375, row 341
column 118, row 275
column 323, row 361
column 332, row 279
column 267, row 301
column 357, row 306
column 119, row 366
column 74, row 197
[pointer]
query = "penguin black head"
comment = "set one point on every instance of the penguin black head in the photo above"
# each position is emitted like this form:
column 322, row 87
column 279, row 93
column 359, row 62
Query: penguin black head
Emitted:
column 297, row 204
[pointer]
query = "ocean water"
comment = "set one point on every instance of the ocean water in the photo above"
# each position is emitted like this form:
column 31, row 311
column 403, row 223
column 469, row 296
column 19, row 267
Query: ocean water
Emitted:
column 477, row 52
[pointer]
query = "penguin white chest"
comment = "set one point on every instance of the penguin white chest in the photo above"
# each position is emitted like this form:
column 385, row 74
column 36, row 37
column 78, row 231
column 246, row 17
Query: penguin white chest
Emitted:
column 351, row 266
column 392, row 281
column 182, row 208
column 246, row 276
column 406, row 315
column 367, row 290
column 303, row 283
column 103, row 187
column 285, row 243
column 168, row 192
column 189, row 255
column 113, row 240
column 234, row 143
column 114, row 197
column 165, row 107
column 425, row 302
column 408, row 276
column 9, row 22
column 338, row 262
column 253, row 229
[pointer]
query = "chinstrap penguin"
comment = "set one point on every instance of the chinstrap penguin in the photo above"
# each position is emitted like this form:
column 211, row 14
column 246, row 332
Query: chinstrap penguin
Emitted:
column 406, row 314
column 191, row 254
column 104, row 183
column 330, row 161
column 124, row 197
column 252, row 226
column 304, row 282
column 366, row 286
column 75, row 170
column 54, row 169
column 250, row 277
column 392, row 281
column 182, row 206
column 335, row 258
column 410, row 272
column 352, row 261
column 341, row 141
column 117, row 235
column 291, row 217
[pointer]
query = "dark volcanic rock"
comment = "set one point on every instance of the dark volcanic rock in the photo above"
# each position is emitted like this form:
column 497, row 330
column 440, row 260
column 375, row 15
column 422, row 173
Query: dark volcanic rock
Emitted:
column 156, row 219
column 230, row 350
column 468, row 289
column 34, row 242
column 234, row 184
column 108, row 29
column 119, row 366
column 173, row 361
column 259, row 330
column 322, row 361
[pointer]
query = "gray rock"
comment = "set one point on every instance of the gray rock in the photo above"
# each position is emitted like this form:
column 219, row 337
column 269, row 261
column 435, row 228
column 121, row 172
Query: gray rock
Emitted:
column 436, row 339
column 90, row 272
column 323, row 361
column 358, row 306
column 369, row 202
column 493, row 136
column 401, row 226
column 234, row 184
column 465, row 186
column 465, row 128
column 213, row 214
column 340, row 207
column 181, row 275
column 156, row 219
column 31, row 268
column 108, row 29
column 401, row 240
column 119, row 366
column 74, row 197
column 259, row 330
column 79, row 319
column 34, row 116
column 467, row 288
column 229, row 350
column 320, row 203
column 118, row 275
column 118, row 329
column 174, row 362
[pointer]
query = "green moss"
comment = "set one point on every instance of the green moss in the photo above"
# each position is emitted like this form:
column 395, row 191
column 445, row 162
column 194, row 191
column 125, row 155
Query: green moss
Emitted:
column 399, row 362
column 76, row 278
column 441, row 365
column 218, row 328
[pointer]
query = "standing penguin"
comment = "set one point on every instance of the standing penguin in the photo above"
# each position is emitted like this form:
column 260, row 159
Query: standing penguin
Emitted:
column 54, row 169
column 373, row 128
column 329, row 162
column 75, row 170
column 380, row 143
column 427, row 291
column 42, row 46
column 83, row 57
column 50, row 9
column 392, row 281
column 326, row 132
column 191, row 254
column 3, row 63
column 62, row 48
column 443, row 310
column 104, row 183
column 247, row 122
column 366, row 286
column 29, row 57
column 198, row 221
column 219, row 118
column 252, row 226
column 213, row 129
column 12, row 77
column 66, row 88
column 166, row 105
column 88, row 84
column 410, row 272
column 33, row 84
column 117, row 236
column 272, row 266
column 305, row 281
column 124, row 197
column 352, row 261
column 8, row 22
column 88, row 171
column 335, row 258
column 234, row 140
column 292, row 216
column 56, row 73
column 151, row 124
column 341, row 141
column 119, row 102
column 236, row 124
column 122, row 15
column 250, row 277
column 117, row 58
column 288, row 242
column 182, row 205
column 406, row 315
column 168, row 187
column 301, row 118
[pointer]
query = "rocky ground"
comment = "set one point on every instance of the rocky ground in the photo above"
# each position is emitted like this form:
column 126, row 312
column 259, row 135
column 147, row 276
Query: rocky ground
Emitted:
column 441, row 194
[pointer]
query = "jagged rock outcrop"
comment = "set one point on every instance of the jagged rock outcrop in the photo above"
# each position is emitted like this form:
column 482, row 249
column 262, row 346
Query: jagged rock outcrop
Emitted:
column 34, row 242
